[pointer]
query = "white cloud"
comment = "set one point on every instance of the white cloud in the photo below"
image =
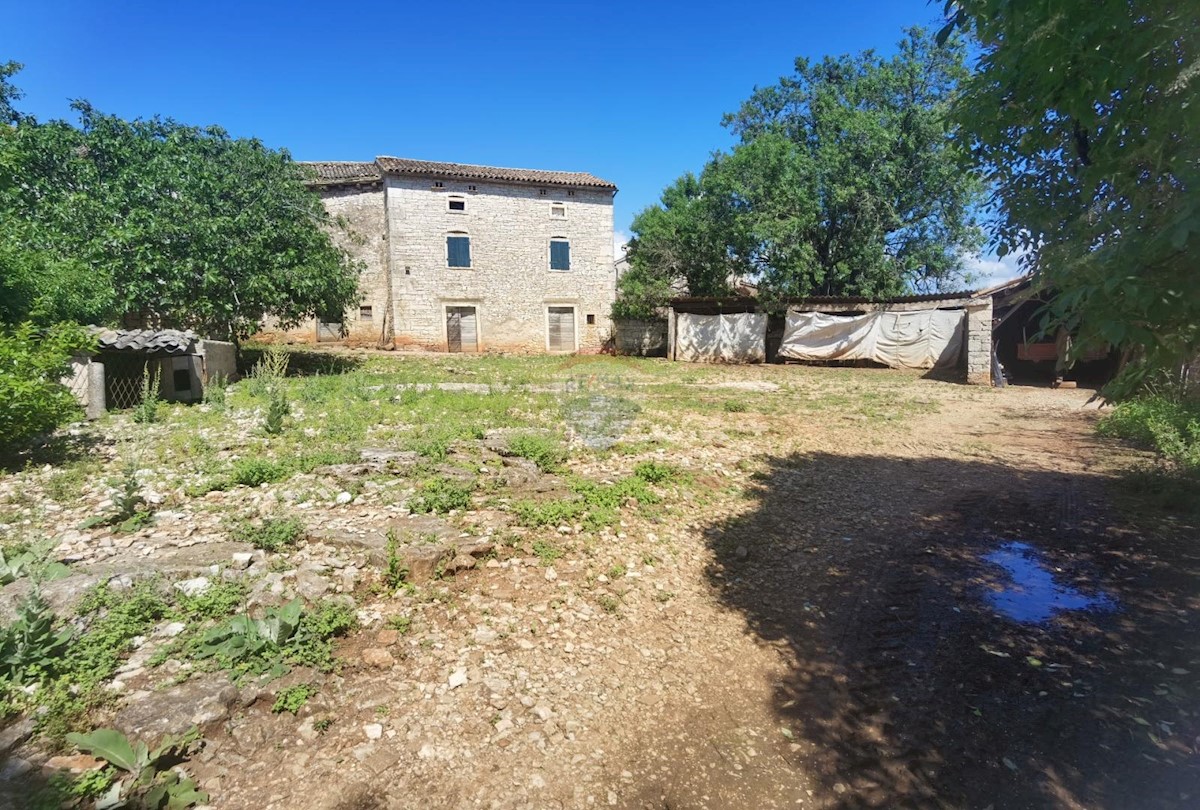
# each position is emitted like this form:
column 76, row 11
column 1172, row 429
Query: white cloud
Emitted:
column 986, row 271
column 620, row 241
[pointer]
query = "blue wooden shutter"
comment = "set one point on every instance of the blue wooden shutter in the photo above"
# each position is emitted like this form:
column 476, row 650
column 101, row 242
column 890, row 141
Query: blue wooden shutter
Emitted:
column 560, row 255
column 458, row 251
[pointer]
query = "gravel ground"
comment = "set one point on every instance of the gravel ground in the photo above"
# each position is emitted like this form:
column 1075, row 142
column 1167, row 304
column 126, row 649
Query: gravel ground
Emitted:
column 804, row 623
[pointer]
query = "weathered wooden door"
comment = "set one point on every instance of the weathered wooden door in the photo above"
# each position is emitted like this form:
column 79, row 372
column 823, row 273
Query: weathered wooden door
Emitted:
column 461, row 332
column 562, row 329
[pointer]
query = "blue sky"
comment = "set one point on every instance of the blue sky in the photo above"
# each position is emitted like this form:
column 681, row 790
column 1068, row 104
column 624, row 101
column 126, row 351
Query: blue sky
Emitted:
column 633, row 92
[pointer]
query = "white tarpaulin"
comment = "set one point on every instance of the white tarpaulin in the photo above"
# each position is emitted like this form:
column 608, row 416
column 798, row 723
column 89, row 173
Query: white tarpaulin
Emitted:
column 924, row 339
column 740, row 338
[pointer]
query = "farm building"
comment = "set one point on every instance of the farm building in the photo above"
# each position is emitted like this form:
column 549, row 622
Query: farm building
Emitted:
column 983, row 336
column 466, row 258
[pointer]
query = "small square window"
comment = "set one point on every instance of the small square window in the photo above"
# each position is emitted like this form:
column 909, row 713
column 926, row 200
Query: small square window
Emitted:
column 437, row 184
column 182, row 380
column 558, row 211
column 591, row 319
column 364, row 313
column 470, row 188
column 571, row 193
column 542, row 192
column 458, row 204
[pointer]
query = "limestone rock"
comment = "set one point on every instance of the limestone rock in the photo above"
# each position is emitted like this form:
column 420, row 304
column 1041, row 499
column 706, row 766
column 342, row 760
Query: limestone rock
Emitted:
column 200, row 701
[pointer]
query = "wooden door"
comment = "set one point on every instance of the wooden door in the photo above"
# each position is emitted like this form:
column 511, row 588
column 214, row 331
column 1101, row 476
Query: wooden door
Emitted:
column 461, row 331
column 562, row 329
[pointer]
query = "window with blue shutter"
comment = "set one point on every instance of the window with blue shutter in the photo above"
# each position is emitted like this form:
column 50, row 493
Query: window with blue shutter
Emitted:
column 560, row 254
column 458, row 250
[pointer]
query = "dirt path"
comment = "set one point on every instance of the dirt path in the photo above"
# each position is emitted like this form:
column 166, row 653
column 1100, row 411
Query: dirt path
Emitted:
column 896, row 684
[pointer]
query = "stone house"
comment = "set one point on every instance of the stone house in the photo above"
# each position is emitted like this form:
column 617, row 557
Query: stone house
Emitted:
column 470, row 258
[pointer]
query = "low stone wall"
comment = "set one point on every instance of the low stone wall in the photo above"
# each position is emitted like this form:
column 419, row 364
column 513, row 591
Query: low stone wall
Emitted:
column 220, row 360
column 640, row 338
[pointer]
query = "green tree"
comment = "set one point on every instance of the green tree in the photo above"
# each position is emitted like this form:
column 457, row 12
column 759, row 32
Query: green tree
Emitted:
column 152, row 217
column 683, row 239
column 1083, row 117
column 845, row 181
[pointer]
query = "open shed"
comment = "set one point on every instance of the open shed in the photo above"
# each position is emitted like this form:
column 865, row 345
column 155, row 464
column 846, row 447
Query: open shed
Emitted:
column 942, row 330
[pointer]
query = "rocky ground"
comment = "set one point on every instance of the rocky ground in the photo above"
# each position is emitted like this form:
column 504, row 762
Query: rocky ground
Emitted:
column 796, row 614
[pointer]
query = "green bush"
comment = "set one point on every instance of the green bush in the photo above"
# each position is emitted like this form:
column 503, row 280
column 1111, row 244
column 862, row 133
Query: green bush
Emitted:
column 272, row 534
column 544, row 451
column 254, row 471
column 1169, row 425
column 32, row 363
column 442, row 494
column 654, row 472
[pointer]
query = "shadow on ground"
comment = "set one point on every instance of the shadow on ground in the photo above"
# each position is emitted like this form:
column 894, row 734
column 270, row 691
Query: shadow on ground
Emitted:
column 303, row 362
column 907, row 689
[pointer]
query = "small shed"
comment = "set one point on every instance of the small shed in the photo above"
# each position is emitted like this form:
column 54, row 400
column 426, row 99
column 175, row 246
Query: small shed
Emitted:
column 182, row 361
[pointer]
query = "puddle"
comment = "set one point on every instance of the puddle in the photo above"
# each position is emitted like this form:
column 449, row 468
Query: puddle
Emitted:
column 1032, row 595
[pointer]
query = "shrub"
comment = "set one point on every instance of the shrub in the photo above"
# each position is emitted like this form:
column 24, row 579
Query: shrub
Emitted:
column 292, row 698
column 544, row 451
column 734, row 406
column 441, row 494
column 254, row 471
column 32, row 363
column 654, row 472
column 1168, row 424
column 271, row 534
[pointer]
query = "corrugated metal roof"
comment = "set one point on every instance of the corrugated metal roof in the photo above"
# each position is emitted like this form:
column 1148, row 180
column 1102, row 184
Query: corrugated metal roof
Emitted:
column 828, row 299
column 467, row 171
column 146, row 341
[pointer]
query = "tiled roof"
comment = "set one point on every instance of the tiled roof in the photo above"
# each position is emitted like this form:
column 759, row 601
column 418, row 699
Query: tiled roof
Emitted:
column 342, row 172
column 145, row 341
column 466, row 171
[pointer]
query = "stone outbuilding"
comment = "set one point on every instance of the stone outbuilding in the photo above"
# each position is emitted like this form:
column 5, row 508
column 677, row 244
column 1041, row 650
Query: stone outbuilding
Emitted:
column 469, row 258
column 182, row 363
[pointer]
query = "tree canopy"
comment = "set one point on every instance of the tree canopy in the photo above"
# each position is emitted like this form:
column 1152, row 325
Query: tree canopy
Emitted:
column 152, row 217
column 1083, row 118
column 845, row 181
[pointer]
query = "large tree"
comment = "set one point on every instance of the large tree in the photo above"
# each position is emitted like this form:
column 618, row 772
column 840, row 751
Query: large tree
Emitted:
column 1084, row 116
column 845, row 181
column 186, row 224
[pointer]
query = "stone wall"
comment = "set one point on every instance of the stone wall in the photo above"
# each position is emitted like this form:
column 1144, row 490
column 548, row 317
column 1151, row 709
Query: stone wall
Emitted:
column 360, row 227
column 510, row 282
column 640, row 338
column 979, row 342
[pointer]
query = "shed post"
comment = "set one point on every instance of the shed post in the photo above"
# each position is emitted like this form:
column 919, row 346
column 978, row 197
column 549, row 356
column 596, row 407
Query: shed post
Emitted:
column 979, row 341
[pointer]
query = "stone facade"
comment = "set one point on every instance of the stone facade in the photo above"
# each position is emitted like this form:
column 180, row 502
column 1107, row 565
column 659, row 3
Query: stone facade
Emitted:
column 398, row 227
column 509, row 282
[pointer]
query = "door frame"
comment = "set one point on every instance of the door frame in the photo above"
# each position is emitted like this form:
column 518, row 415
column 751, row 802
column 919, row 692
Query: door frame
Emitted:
column 445, row 327
column 574, row 307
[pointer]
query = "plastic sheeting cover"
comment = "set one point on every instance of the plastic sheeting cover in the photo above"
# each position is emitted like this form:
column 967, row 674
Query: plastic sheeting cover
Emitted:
column 738, row 338
column 928, row 338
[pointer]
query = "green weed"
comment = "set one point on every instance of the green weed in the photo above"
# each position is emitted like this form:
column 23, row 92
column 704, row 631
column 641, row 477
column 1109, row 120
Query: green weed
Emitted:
column 292, row 698
column 441, row 495
column 269, row 534
column 544, row 451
